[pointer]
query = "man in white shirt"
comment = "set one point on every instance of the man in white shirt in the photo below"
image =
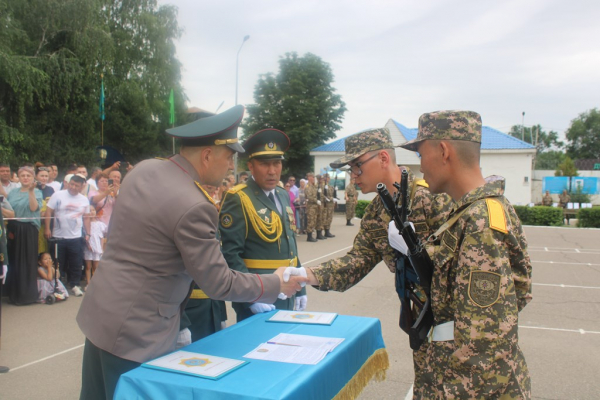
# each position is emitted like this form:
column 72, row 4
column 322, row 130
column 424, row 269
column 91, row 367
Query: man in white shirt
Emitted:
column 52, row 175
column 71, row 210
column 7, row 183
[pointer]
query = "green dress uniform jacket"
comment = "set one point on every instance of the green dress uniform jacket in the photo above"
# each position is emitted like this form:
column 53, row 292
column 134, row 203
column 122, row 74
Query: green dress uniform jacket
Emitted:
column 481, row 281
column 248, row 227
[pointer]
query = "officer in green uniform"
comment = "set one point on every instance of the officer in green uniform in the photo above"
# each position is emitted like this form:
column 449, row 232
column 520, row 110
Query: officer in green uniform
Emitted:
column 203, row 316
column 256, row 222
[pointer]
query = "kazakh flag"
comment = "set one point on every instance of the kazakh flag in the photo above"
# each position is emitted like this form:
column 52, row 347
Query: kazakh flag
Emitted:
column 101, row 107
column 172, row 109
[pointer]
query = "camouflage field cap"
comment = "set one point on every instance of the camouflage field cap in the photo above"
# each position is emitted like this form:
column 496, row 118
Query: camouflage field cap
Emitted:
column 447, row 125
column 364, row 142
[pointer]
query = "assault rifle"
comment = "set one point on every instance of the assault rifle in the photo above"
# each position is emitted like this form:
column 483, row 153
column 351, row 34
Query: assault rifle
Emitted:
column 413, row 278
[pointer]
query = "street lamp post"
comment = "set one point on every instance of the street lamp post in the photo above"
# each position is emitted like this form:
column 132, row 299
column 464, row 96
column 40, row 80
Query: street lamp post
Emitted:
column 237, row 61
column 522, row 126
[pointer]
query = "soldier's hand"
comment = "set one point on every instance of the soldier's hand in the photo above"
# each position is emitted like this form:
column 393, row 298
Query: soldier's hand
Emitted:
column 318, row 202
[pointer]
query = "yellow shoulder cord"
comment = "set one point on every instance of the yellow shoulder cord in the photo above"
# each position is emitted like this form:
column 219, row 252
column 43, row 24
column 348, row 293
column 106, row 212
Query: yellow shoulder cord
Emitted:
column 209, row 197
column 261, row 227
column 243, row 211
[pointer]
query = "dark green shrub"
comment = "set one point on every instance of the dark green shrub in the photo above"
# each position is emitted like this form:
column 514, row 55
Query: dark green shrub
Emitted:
column 589, row 217
column 360, row 208
column 540, row 215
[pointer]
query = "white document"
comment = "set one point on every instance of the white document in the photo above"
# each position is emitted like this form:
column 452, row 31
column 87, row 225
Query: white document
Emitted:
column 202, row 365
column 303, row 317
column 288, row 354
column 316, row 342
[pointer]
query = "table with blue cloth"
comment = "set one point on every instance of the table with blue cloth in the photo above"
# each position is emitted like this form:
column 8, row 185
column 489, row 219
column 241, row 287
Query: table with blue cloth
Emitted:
column 342, row 374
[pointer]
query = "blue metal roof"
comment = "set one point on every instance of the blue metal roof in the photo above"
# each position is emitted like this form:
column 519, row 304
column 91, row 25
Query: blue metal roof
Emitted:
column 491, row 139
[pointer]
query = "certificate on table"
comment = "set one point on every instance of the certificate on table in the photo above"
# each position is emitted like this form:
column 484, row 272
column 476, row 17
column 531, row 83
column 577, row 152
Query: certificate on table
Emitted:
column 291, row 339
column 196, row 364
column 303, row 317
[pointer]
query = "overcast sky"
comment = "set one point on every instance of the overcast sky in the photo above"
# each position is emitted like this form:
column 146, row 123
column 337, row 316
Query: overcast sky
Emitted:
column 399, row 59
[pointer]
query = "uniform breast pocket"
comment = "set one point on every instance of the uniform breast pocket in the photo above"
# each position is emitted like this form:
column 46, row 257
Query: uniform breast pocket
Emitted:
column 168, row 310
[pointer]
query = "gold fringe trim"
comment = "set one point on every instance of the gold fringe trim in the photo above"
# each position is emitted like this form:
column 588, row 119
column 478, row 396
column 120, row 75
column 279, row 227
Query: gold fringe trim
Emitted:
column 374, row 367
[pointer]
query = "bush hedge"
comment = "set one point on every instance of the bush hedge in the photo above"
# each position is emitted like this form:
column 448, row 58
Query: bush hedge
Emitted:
column 589, row 217
column 540, row 215
column 360, row 208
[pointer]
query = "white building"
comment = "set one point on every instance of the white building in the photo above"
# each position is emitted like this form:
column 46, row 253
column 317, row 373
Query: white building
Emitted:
column 501, row 154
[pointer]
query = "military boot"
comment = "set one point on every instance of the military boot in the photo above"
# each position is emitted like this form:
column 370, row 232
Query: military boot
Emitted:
column 348, row 223
column 310, row 238
column 328, row 234
column 320, row 235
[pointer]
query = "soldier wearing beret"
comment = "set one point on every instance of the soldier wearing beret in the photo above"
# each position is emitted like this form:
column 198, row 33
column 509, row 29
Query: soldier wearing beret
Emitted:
column 256, row 222
column 162, row 238
column 482, row 274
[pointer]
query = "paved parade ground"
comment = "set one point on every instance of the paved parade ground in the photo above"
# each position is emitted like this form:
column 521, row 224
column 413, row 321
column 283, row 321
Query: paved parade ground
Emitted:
column 559, row 329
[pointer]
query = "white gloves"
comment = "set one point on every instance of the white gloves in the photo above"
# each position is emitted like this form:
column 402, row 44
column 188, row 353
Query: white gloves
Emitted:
column 4, row 271
column 318, row 202
column 327, row 200
column 258, row 308
column 293, row 271
column 326, row 187
column 184, row 338
column 395, row 238
column 301, row 303
column 319, row 191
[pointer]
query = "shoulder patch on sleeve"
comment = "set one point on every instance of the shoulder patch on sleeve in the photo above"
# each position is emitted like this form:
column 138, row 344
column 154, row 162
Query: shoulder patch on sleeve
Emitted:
column 484, row 288
column 421, row 182
column 496, row 215
column 226, row 220
column 237, row 188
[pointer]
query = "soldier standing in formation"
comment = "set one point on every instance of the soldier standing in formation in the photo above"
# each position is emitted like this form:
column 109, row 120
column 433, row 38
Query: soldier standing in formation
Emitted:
column 547, row 200
column 328, row 206
column 312, row 206
column 482, row 272
column 351, row 200
column 256, row 222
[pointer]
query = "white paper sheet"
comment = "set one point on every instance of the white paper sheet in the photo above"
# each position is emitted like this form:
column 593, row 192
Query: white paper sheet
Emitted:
column 288, row 354
column 306, row 341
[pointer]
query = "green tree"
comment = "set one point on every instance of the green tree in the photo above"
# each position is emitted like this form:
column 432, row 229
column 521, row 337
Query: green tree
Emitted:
column 566, row 168
column 549, row 160
column 583, row 136
column 302, row 102
column 52, row 53
column 537, row 136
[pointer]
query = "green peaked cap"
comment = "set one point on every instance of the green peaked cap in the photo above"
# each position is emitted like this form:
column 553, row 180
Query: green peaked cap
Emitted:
column 268, row 144
column 220, row 129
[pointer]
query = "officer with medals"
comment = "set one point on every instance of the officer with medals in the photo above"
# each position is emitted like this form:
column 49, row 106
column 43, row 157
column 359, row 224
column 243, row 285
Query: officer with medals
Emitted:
column 256, row 222
column 162, row 238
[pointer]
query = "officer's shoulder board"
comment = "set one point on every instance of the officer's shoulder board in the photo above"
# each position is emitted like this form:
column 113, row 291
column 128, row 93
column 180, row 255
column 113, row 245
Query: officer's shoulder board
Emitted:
column 237, row 188
column 496, row 215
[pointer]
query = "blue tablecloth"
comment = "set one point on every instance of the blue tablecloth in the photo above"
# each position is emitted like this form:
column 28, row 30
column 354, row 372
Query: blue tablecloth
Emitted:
column 264, row 379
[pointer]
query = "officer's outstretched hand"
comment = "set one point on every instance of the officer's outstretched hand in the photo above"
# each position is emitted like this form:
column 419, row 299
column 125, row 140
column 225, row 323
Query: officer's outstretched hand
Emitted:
column 292, row 285
column 258, row 308
column 301, row 303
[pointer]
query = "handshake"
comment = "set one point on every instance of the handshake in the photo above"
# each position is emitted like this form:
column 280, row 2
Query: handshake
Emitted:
column 292, row 280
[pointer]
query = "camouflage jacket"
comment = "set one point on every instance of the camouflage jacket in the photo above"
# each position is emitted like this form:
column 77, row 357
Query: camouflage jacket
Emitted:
column 371, row 244
column 351, row 192
column 311, row 194
column 482, row 279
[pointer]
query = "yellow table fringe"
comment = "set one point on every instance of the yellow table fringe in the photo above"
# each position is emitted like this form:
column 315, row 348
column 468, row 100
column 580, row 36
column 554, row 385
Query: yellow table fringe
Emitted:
column 374, row 367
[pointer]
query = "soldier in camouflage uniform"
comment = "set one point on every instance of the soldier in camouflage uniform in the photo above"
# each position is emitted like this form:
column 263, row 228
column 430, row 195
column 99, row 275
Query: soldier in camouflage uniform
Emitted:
column 321, row 201
column 312, row 206
column 482, row 275
column 351, row 200
column 547, row 200
column 328, row 205
column 371, row 157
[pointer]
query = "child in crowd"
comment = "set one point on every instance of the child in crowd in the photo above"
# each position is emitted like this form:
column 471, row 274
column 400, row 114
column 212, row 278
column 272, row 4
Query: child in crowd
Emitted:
column 46, row 281
column 95, row 245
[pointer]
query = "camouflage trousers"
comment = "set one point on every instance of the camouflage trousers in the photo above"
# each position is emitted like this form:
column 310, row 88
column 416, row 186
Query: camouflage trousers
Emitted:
column 442, row 377
column 312, row 217
column 350, row 208
column 327, row 215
